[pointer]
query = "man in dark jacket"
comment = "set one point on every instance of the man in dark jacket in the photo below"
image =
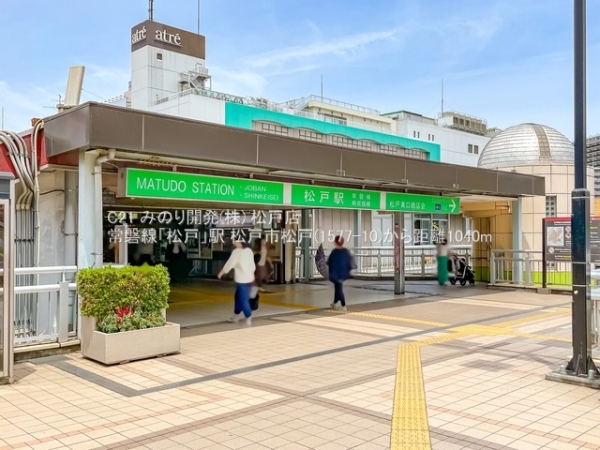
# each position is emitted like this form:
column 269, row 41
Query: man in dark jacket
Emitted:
column 340, row 264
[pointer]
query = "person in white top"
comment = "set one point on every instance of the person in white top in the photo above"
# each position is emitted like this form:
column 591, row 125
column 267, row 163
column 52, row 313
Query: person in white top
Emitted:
column 242, row 262
column 443, row 253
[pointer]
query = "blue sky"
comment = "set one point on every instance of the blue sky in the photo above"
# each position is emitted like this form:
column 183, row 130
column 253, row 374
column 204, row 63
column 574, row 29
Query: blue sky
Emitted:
column 508, row 61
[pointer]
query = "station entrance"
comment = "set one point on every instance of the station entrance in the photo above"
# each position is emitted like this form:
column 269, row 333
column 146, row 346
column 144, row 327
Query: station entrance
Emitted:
column 194, row 245
column 171, row 218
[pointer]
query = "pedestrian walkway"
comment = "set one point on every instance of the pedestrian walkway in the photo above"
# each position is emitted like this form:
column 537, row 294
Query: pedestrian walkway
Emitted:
column 448, row 368
column 202, row 302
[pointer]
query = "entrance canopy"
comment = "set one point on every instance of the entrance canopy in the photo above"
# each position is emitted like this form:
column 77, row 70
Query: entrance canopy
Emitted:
column 274, row 170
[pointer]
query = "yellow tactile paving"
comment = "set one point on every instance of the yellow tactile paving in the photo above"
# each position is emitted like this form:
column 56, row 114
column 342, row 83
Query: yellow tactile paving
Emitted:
column 540, row 337
column 392, row 318
column 522, row 320
column 410, row 427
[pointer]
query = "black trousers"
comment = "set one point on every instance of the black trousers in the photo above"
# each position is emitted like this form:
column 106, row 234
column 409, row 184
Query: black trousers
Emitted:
column 338, row 293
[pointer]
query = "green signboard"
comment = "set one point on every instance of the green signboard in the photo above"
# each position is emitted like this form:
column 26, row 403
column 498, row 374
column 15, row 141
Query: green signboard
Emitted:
column 186, row 186
column 331, row 197
column 421, row 203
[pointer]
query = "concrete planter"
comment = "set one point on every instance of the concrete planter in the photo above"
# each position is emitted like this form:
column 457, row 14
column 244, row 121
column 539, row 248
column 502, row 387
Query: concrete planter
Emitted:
column 116, row 348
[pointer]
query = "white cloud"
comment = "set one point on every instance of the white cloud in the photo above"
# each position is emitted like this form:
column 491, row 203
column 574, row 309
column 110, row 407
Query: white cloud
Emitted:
column 240, row 83
column 342, row 47
column 22, row 102
column 103, row 83
column 22, row 105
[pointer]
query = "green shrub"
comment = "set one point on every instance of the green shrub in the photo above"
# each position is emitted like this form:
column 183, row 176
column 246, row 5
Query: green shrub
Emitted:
column 124, row 299
column 114, row 323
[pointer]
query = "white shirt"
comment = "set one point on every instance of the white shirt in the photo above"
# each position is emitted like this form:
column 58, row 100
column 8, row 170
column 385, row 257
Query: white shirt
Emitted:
column 242, row 261
column 443, row 250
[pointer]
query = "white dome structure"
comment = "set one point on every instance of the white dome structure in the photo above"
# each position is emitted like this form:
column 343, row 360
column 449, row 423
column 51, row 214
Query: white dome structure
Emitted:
column 528, row 144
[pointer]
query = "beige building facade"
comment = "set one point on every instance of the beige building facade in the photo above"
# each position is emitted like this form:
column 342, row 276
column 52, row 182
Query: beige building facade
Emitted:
column 518, row 225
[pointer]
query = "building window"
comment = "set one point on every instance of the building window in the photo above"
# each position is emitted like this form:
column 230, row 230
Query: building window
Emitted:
column 415, row 153
column 433, row 137
column 351, row 143
column 390, row 149
column 414, row 134
column 159, row 56
column 474, row 149
column 334, row 119
column 310, row 135
column 551, row 206
column 274, row 129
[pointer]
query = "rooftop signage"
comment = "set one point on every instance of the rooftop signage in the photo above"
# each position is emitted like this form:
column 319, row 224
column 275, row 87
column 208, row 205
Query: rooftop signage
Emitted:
column 154, row 34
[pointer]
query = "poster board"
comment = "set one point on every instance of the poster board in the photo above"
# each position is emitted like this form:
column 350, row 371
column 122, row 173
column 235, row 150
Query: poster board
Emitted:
column 558, row 237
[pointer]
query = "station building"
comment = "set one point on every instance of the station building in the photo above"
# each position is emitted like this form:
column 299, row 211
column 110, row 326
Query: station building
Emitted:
column 147, row 168
column 173, row 78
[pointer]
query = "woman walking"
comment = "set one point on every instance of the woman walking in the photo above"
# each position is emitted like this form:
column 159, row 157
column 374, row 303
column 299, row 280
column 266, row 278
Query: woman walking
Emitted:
column 340, row 264
column 242, row 262
column 443, row 253
column 262, row 273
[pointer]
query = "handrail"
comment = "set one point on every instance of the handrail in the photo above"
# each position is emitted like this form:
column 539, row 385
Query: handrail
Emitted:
column 42, row 270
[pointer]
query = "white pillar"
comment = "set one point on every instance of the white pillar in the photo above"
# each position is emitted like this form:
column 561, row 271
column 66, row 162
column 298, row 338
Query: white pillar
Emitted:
column 517, row 244
column 70, row 228
column 89, row 216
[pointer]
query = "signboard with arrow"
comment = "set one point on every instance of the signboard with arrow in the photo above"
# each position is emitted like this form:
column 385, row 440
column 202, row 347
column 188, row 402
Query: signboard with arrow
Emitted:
column 421, row 203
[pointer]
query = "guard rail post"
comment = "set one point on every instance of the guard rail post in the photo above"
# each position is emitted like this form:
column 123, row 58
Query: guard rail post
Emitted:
column 422, row 262
column 492, row 268
column 527, row 270
column 63, row 311
column 379, row 263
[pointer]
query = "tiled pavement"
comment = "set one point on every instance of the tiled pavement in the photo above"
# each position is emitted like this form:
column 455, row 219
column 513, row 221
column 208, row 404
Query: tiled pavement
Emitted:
column 317, row 379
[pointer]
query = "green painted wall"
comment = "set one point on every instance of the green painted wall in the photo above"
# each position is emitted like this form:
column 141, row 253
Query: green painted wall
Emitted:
column 242, row 116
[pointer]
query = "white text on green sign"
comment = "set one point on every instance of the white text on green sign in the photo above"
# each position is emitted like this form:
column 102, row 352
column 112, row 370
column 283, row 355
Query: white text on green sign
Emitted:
column 421, row 203
column 185, row 186
column 330, row 197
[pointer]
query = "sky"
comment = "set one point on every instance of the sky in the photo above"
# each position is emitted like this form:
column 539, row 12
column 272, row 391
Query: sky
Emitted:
column 506, row 61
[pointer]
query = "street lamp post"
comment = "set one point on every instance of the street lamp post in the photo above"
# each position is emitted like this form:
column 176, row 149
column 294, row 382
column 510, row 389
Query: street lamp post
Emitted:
column 581, row 362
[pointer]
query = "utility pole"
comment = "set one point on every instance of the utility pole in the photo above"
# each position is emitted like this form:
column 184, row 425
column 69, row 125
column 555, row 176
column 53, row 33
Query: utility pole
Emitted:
column 582, row 362
column 321, row 87
column 151, row 9
column 442, row 96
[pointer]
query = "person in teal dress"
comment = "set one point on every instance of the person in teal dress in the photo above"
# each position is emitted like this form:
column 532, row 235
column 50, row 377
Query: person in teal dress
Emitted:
column 443, row 255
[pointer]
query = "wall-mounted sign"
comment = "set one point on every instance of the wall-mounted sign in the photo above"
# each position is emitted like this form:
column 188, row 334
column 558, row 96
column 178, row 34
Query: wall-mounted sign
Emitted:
column 421, row 203
column 166, row 37
column 169, row 38
column 159, row 184
column 332, row 197
column 138, row 35
column 186, row 186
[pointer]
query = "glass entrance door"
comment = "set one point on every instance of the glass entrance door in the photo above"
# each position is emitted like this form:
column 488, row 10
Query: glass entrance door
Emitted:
column 439, row 228
column 422, row 229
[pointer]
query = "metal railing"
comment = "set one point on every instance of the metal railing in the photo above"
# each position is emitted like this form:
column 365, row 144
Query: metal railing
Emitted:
column 330, row 101
column 47, row 311
column 526, row 268
column 419, row 261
